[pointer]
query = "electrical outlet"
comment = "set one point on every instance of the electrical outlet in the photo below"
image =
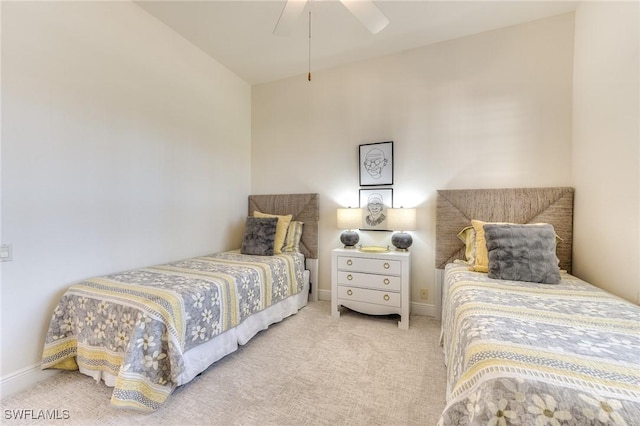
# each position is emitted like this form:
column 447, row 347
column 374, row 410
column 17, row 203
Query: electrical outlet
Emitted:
column 5, row 253
column 424, row 293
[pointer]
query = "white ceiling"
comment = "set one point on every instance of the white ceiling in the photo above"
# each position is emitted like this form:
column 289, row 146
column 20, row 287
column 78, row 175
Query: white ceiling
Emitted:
column 239, row 34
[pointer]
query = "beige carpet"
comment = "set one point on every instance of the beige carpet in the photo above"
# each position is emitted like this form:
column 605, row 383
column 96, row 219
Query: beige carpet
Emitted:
column 309, row 369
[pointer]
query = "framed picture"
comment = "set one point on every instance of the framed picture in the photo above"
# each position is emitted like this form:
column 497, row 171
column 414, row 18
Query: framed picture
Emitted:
column 374, row 204
column 376, row 164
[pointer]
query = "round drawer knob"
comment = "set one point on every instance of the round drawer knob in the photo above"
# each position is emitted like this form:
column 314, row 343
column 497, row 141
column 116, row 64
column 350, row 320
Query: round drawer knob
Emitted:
column 386, row 297
column 386, row 281
column 386, row 265
column 349, row 277
column 349, row 262
column 349, row 292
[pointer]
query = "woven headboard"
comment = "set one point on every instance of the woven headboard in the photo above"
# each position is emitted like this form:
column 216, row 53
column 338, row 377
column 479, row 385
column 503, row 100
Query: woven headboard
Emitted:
column 456, row 208
column 302, row 207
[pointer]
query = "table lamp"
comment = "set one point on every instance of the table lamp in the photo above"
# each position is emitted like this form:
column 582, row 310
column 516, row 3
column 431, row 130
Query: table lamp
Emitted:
column 401, row 220
column 349, row 219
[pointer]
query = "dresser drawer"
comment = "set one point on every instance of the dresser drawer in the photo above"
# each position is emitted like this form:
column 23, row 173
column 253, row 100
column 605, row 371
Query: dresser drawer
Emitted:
column 377, row 297
column 374, row 281
column 374, row 266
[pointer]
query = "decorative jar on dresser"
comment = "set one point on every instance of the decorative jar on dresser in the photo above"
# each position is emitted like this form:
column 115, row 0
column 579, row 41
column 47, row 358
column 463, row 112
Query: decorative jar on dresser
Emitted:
column 371, row 283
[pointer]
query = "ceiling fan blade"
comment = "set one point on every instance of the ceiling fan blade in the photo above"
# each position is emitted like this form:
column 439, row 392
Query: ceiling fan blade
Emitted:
column 290, row 13
column 367, row 13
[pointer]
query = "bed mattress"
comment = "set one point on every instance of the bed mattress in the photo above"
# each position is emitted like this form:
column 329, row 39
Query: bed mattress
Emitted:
column 537, row 354
column 148, row 330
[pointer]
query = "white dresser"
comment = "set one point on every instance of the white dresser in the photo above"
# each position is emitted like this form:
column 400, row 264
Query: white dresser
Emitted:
column 371, row 283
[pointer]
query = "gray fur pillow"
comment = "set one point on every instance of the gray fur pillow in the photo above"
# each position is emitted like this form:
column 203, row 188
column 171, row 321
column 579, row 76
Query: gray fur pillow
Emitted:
column 259, row 236
column 522, row 252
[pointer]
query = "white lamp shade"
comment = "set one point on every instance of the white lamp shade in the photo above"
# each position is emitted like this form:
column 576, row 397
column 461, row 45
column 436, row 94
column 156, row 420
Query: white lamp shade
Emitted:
column 401, row 219
column 349, row 218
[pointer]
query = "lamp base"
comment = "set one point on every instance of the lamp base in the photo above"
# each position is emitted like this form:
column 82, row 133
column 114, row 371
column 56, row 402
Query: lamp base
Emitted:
column 349, row 239
column 402, row 241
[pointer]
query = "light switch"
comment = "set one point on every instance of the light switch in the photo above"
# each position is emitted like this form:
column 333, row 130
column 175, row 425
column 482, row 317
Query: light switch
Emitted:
column 5, row 253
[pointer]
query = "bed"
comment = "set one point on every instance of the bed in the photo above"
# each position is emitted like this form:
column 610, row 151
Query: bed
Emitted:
column 146, row 331
column 525, row 352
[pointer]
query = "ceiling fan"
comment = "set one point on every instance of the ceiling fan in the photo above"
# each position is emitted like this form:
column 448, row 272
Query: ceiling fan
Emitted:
column 364, row 10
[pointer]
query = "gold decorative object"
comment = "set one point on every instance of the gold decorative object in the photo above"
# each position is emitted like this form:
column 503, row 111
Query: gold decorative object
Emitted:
column 373, row 249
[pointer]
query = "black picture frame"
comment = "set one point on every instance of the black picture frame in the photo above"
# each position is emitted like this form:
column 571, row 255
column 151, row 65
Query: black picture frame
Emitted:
column 374, row 204
column 376, row 163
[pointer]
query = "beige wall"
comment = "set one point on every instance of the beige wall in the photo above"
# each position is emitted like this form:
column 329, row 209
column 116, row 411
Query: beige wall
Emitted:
column 606, row 153
column 119, row 138
column 118, row 141
column 489, row 110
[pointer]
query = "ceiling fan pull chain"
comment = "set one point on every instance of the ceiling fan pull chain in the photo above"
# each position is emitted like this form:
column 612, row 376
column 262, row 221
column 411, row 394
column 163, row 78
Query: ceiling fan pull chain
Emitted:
column 309, row 73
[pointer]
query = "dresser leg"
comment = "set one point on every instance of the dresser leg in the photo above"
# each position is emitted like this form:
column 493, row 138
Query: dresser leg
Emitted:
column 403, row 323
column 335, row 310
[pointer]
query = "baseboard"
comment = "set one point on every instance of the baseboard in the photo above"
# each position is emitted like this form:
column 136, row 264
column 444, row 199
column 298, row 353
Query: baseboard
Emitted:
column 23, row 379
column 324, row 295
column 417, row 308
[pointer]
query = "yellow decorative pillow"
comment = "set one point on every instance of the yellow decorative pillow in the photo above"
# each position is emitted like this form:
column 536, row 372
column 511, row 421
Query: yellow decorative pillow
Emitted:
column 468, row 237
column 482, row 256
column 281, row 229
column 294, row 234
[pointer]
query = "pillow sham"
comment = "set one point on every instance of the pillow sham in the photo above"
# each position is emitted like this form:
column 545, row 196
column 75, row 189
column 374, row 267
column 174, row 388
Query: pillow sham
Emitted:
column 281, row 229
column 481, row 258
column 522, row 252
column 468, row 237
column 259, row 236
column 292, row 240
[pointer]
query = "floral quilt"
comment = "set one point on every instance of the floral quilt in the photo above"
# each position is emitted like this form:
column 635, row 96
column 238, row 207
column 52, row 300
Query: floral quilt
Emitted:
column 136, row 325
column 538, row 354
